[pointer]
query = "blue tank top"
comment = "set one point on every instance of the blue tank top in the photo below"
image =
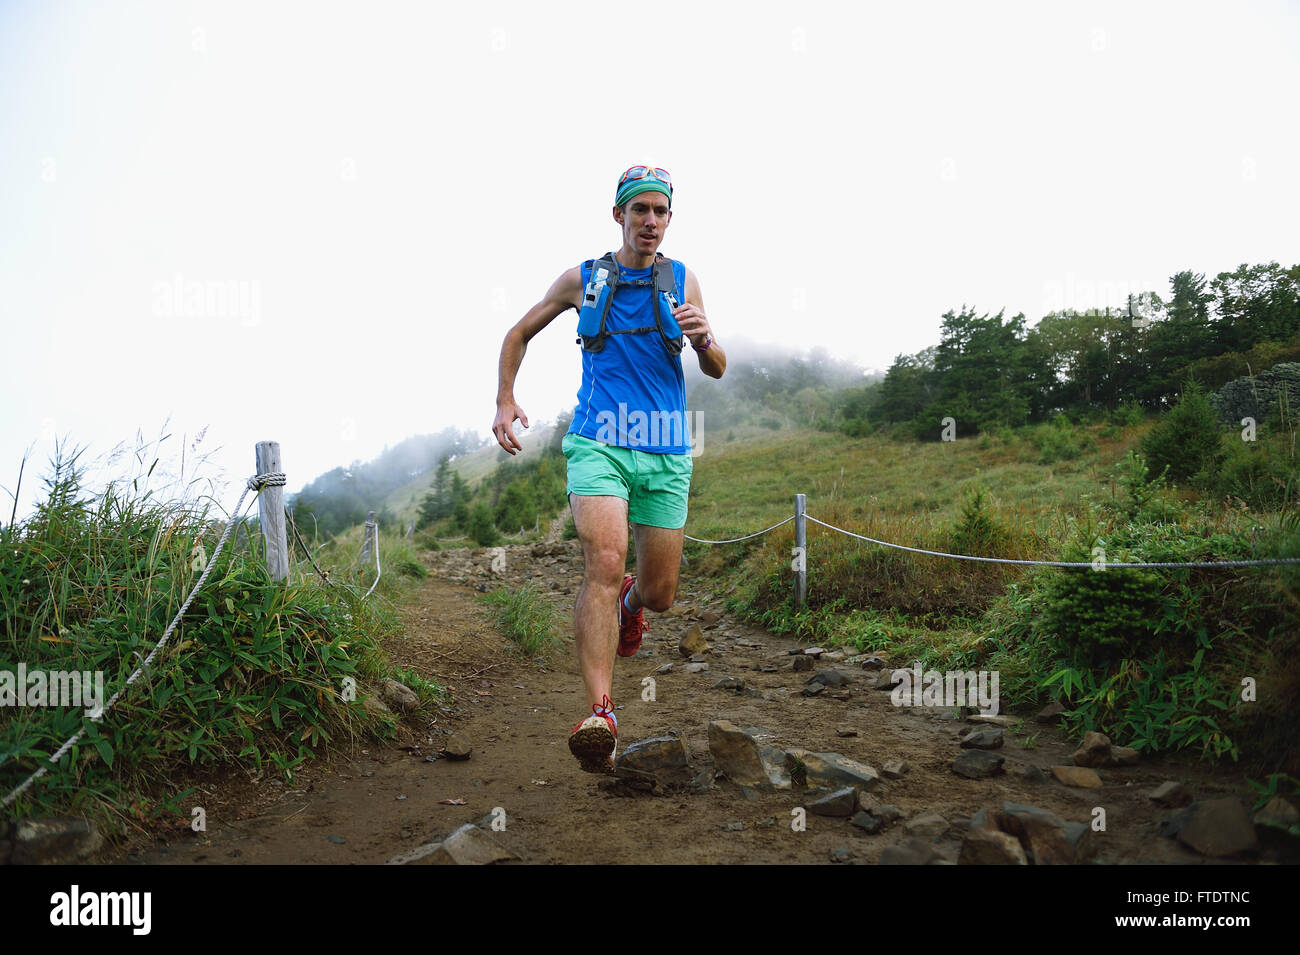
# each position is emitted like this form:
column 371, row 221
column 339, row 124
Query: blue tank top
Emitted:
column 633, row 394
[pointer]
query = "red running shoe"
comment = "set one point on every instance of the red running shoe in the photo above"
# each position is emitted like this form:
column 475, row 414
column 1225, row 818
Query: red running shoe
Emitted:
column 595, row 739
column 630, row 626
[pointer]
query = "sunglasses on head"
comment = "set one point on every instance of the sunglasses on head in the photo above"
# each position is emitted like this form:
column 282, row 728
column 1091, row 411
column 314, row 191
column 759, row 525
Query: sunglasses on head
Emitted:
column 646, row 172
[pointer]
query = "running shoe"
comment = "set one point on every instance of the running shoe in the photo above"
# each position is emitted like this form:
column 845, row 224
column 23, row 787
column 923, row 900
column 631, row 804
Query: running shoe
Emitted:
column 594, row 739
column 631, row 627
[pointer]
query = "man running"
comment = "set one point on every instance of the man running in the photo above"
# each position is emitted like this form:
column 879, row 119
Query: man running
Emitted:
column 628, row 453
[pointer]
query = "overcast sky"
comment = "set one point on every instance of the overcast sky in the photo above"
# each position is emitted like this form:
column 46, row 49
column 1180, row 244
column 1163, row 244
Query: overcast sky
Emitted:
column 313, row 222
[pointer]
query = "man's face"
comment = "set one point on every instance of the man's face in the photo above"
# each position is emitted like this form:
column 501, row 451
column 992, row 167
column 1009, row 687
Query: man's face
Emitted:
column 644, row 219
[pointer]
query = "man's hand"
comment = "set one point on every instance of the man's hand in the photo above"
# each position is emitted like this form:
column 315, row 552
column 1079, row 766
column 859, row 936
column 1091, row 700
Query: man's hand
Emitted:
column 694, row 323
column 502, row 427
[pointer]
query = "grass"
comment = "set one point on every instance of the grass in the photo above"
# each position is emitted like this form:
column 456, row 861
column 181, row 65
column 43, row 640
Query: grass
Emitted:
column 254, row 675
column 528, row 617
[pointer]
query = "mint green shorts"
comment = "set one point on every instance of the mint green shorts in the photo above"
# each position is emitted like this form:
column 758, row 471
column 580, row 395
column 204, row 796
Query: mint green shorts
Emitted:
column 655, row 486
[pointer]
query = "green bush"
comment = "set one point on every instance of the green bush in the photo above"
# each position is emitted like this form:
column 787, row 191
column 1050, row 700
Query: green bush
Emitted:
column 481, row 527
column 1186, row 442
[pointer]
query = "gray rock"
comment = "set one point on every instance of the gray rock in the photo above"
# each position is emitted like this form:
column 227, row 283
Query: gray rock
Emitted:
column 828, row 678
column 666, row 668
column 1277, row 813
column 398, row 695
column 662, row 757
column 812, row 689
column 867, row 822
column 839, row 804
column 887, row 812
column 844, row 732
column 1031, row 773
column 874, row 663
column 735, row 826
column 1045, row 838
column 1218, row 827
column 1170, row 794
column 738, row 756
column 978, row 764
column 833, row 770
column 928, row 825
column 912, row 852
column 729, row 683
column 53, row 841
column 1124, row 756
column 802, row 662
column 457, row 746
column 815, row 652
column 1095, row 750
column 1051, row 713
column 894, row 768
column 470, row 845
column 994, row 719
column 376, row 707
column 696, row 668
column 981, row 738
column 841, row 856
column 991, row 847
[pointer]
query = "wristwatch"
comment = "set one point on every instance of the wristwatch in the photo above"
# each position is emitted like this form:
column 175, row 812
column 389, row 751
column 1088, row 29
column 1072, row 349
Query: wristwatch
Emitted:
column 708, row 340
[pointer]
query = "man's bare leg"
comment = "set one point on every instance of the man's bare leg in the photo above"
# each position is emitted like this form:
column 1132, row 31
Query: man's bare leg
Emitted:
column 601, row 521
column 658, row 563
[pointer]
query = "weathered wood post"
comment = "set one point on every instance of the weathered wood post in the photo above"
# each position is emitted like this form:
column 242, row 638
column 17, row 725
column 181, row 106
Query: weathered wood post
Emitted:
column 366, row 534
column 270, row 511
column 800, row 562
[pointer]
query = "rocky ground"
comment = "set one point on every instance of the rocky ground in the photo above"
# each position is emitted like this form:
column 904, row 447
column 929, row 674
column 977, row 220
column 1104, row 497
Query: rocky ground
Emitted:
column 736, row 746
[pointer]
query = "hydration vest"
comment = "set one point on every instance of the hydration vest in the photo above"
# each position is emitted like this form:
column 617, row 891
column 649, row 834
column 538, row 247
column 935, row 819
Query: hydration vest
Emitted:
column 598, row 297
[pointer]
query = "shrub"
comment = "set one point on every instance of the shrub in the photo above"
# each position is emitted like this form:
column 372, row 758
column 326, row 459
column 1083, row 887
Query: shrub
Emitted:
column 1187, row 441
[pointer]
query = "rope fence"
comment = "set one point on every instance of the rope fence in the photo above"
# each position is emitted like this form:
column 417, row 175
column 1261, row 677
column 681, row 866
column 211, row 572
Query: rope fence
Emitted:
column 800, row 516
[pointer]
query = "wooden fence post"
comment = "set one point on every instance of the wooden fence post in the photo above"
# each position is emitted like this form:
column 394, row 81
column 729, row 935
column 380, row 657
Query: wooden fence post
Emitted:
column 270, row 511
column 366, row 533
column 800, row 561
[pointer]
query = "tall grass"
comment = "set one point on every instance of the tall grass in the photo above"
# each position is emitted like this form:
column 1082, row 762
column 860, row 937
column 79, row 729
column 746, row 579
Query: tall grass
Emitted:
column 528, row 617
column 256, row 674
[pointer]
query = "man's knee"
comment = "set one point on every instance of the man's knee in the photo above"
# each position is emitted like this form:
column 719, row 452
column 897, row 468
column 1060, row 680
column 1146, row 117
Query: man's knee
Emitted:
column 605, row 565
column 658, row 595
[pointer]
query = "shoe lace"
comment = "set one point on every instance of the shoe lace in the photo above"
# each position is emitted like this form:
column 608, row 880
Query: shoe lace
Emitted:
column 605, row 708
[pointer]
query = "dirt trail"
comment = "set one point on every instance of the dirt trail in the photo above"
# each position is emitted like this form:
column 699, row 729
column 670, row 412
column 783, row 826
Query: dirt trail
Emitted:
column 372, row 806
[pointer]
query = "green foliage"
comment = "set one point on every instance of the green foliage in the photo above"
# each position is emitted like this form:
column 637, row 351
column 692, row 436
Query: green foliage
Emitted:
column 570, row 529
column 979, row 533
column 1144, row 501
column 1186, row 442
column 1059, row 440
column 481, row 527
column 527, row 617
column 253, row 675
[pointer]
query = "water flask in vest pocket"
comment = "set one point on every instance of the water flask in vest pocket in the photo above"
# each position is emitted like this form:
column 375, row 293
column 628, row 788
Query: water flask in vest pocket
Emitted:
column 593, row 303
column 672, row 331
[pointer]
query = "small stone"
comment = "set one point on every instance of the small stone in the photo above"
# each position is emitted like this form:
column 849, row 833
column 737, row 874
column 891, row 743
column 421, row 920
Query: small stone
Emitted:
column 734, row 826
column 981, row 738
column 833, row 656
column 1045, row 838
column 376, row 707
column 1031, row 773
column 337, row 840
column 53, row 841
column 812, row 689
column 802, row 662
column 1095, row 750
column 912, row 852
column 693, row 643
column 844, row 732
column 828, row 678
column 873, row 663
column 666, row 668
column 469, row 845
column 662, row 758
column 839, row 804
column 737, row 755
column 894, row 768
column 887, row 813
column 978, row 764
column 1079, row 777
column 710, row 617
column 1277, row 813
column 697, row 658
column 398, row 695
column 1051, row 713
column 1124, row 756
column 696, row 668
column 815, row 652
column 1218, row 827
column 991, row 847
column 457, row 747
column 841, row 856
column 1171, row 794
column 928, row 825
column 994, row 719
column 729, row 683
column 867, row 822
column 834, row 770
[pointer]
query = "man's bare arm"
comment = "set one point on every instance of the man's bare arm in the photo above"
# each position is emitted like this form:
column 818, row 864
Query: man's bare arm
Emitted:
column 564, row 293
column 695, row 324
